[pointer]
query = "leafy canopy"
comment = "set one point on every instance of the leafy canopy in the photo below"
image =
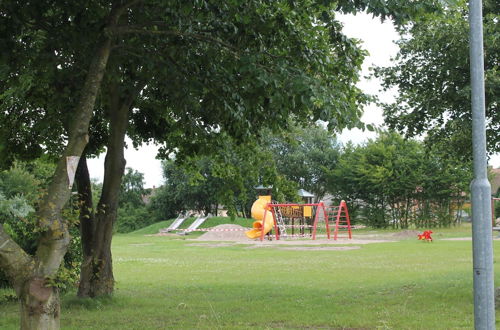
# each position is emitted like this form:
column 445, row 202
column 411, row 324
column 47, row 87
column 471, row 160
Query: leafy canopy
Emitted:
column 432, row 75
column 209, row 69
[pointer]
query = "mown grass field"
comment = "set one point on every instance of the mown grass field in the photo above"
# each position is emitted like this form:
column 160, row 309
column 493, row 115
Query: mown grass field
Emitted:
column 164, row 282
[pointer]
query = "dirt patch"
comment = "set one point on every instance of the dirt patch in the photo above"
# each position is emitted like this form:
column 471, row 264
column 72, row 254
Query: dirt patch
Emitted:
column 279, row 246
column 236, row 233
column 407, row 234
column 226, row 232
column 321, row 248
column 213, row 245
column 316, row 242
column 163, row 234
column 311, row 248
column 457, row 239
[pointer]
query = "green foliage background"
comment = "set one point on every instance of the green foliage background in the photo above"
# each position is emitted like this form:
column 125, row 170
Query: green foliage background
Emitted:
column 396, row 182
column 21, row 187
column 388, row 182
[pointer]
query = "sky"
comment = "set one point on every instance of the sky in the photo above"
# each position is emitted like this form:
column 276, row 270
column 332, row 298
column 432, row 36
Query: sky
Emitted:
column 377, row 38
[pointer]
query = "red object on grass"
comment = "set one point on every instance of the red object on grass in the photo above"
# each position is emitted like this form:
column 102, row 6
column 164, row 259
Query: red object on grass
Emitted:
column 425, row 236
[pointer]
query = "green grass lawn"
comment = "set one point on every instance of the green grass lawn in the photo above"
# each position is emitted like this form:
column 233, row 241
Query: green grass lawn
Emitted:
column 163, row 282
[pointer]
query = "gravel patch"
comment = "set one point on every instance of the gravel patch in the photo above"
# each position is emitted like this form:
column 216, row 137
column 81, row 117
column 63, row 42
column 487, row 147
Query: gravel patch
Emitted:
column 214, row 245
column 309, row 248
column 235, row 234
column 457, row 239
column 407, row 234
column 225, row 232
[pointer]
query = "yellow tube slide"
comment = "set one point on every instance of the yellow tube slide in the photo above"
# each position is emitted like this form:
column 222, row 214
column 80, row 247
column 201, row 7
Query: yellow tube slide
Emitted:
column 258, row 211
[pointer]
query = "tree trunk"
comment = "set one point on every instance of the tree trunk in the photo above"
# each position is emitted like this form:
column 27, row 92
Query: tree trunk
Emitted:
column 97, row 269
column 87, row 221
column 40, row 306
column 39, row 303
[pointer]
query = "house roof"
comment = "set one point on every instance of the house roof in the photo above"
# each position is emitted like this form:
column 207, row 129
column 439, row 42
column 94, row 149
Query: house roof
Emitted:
column 261, row 187
column 495, row 180
column 304, row 193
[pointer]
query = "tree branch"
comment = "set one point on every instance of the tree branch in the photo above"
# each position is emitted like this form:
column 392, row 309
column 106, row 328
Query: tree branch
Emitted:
column 118, row 10
column 55, row 236
column 133, row 29
column 16, row 263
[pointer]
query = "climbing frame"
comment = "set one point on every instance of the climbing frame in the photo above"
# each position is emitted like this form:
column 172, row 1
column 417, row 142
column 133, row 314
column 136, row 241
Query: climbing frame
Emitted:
column 302, row 220
column 338, row 216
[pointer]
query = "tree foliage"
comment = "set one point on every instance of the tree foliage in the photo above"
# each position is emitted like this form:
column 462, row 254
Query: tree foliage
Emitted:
column 132, row 212
column 41, row 75
column 432, row 75
column 396, row 182
column 21, row 188
column 132, row 188
column 213, row 68
column 304, row 155
column 273, row 60
column 299, row 158
column 226, row 178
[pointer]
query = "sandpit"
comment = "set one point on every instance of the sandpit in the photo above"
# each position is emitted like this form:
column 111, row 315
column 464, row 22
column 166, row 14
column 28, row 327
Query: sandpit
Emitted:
column 407, row 234
column 225, row 232
column 226, row 235
column 236, row 234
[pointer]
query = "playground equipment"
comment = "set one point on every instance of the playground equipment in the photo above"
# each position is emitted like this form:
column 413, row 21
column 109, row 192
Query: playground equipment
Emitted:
column 196, row 223
column 264, row 218
column 342, row 219
column 177, row 222
column 301, row 219
column 425, row 236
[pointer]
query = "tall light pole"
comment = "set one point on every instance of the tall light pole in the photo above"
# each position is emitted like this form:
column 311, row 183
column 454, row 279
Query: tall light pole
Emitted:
column 484, row 301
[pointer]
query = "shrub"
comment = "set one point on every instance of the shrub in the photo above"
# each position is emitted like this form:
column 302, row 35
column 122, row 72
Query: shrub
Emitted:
column 20, row 191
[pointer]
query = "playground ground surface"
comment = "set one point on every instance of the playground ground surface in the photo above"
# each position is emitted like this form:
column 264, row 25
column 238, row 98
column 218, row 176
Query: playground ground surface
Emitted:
column 392, row 281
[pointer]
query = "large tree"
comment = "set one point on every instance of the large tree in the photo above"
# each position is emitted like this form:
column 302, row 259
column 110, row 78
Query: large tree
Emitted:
column 225, row 178
column 432, row 75
column 214, row 71
column 212, row 68
column 35, row 36
column 305, row 155
column 397, row 182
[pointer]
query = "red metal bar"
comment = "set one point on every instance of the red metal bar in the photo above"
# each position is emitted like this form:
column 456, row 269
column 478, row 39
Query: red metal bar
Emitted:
column 315, row 223
column 337, row 222
column 325, row 213
column 348, row 219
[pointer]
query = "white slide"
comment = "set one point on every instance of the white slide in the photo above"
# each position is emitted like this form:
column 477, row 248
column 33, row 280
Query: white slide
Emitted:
column 177, row 222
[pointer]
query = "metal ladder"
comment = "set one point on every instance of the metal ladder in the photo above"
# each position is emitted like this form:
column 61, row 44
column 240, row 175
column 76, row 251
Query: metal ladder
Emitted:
column 280, row 221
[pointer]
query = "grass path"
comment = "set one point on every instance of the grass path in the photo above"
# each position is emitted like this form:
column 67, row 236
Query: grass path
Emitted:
column 165, row 282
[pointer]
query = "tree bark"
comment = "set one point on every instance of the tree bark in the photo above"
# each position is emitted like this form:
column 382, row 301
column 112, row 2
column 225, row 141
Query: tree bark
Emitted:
column 39, row 302
column 97, row 269
column 87, row 220
column 40, row 305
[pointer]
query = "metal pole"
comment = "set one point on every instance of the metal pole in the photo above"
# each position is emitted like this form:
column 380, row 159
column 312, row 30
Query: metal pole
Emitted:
column 484, row 303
